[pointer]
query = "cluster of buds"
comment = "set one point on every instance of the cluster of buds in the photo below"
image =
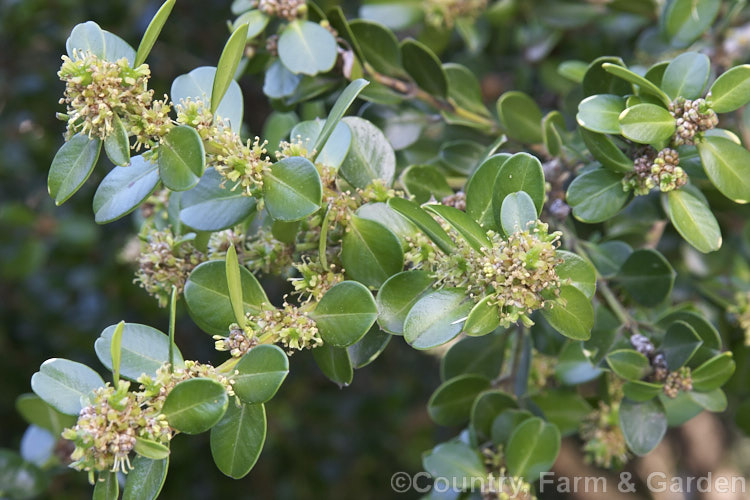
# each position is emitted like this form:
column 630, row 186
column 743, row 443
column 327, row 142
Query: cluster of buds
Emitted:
column 456, row 200
column 542, row 370
column 107, row 429
column 653, row 169
column 741, row 310
column 314, row 280
column 604, row 441
column 658, row 362
column 445, row 13
column 518, row 273
column 289, row 326
column 680, row 380
column 165, row 262
column 97, row 91
column 285, row 9
column 220, row 241
column 156, row 389
column 499, row 485
column 153, row 124
column 693, row 116
column 264, row 253
column 272, row 45
column 421, row 252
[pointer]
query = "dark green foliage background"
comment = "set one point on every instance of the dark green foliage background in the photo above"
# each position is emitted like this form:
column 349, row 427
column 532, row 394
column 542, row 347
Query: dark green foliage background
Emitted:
column 61, row 282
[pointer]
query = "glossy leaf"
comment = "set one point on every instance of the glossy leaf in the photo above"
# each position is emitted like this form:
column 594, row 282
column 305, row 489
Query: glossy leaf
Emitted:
column 455, row 461
column 480, row 189
column 684, row 21
column 64, row 384
column 424, row 182
column 345, row 313
column 260, row 373
column 483, row 318
column 728, row 166
column 369, row 347
column 423, row 221
column 336, row 147
column 634, row 78
column 335, row 364
column 379, row 46
column 487, row 406
column 210, row 207
column 693, row 219
column 628, row 363
column 475, row 355
column 532, row 448
column 124, row 189
column 596, row 80
column 195, row 405
column 227, row 65
column 563, row 409
column 37, row 412
column 152, row 32
column 436, row 318
column 680, row 344
column 279, row 82
column 640, row 391
column 370, row 252
column 197, row 86
column 234, row 285
column 117, row 144
column 451, row 403
column 344, row 101
column 150, row 449
column 397, row 296
column 306, row 47
column 517, row 212
column 72, row 165
column 643, row 425
column 520, row 116
column 370, row 157
column 292, row 189
column 107, row 487
column 686, row 76
column 182, row 158
column 424, row 67
column 237, row 440
column 573, row 317
column 143, row 349
column 604, row 150
column 464, row 224
column 520, row 172
column 600, row 113
column 146, row 479
column 647, row 123
column 579, row 271
column 713, row 373
column 207, row 296
column 731, row 90
column 553, row 125
column 596, row 195
column 647, row 276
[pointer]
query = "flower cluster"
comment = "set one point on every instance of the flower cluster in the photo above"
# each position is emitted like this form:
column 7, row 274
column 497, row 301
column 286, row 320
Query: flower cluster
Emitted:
column 518, row 273
column 164, row 262
column 264, row 253
column 156, row 389
column 680, row 380
column 693, row 116
column 421, row 253
column 97, row 91
column 289, row 326
column 741, row 310
column 658, row 362
column 501, row 485
column 604, row 441
column 456, row 200
column 107, row 429
column 445, row 13
column 654, row 169
column 314, row 280
column 285, row 9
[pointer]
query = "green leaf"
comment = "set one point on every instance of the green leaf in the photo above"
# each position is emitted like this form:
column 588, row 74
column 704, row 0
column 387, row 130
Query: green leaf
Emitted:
column 210, row 207
column 480, row 188
column 424, row 182
column 335, row 148
column 505, row 423
column 579, row 271
column 520, row 172
column 475, row 355
column 644, row 84
column 643, row 424
column 72, row 165
column 684, row 21
column 207, row 296
column 424, row 67
column 150, row 449
column 455, row 461
column 279, row 82
column 483, row 318
column 369, row 347
column 260, row 373
column 292, row 189
column 713, row 373
column 464, row 224
column 680, row 344
column 574, row 366
column 647, row 276
column 345, row 313
column 344, row 101
column 256, row 21
column 423, row 221
column 639, row 391
column 520, row 116
column 628, row 364
column 197, row 86
column 596, row 196
column 182, row 158
column 572, row 70
column 306, row 47
column 517, row 212
column 37, row 412
column 115, row 351
column 686, row 76
column 370, row 156
column 152, row 32
column 146, row 479
column 64, row 384
column 335, row 364
column 715, row 401
column 195, row 405
column 464, row 88
column 436, row 318
column 553, row 125
column 566, row 410
column 237, row 440
column 107, row 487
column 647, row 124
column 532, row 448
column 609, row 256
column 693, row 219
column 487, row 406
column 370, row 252
column 234, row 285
column 117, row 144
column 124, row 189
column 397, row 296
column 379, row 46
column 451, row 403
column 600, row 113
column 461, row 155
column 604, row 150
column 86, row 37
column 731, row 90
column 597, row 80
column 728, row 166
column 385, row 215
column 573, row 316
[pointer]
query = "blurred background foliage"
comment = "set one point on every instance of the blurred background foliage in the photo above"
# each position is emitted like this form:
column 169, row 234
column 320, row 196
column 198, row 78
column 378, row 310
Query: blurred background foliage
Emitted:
column 62, row 282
